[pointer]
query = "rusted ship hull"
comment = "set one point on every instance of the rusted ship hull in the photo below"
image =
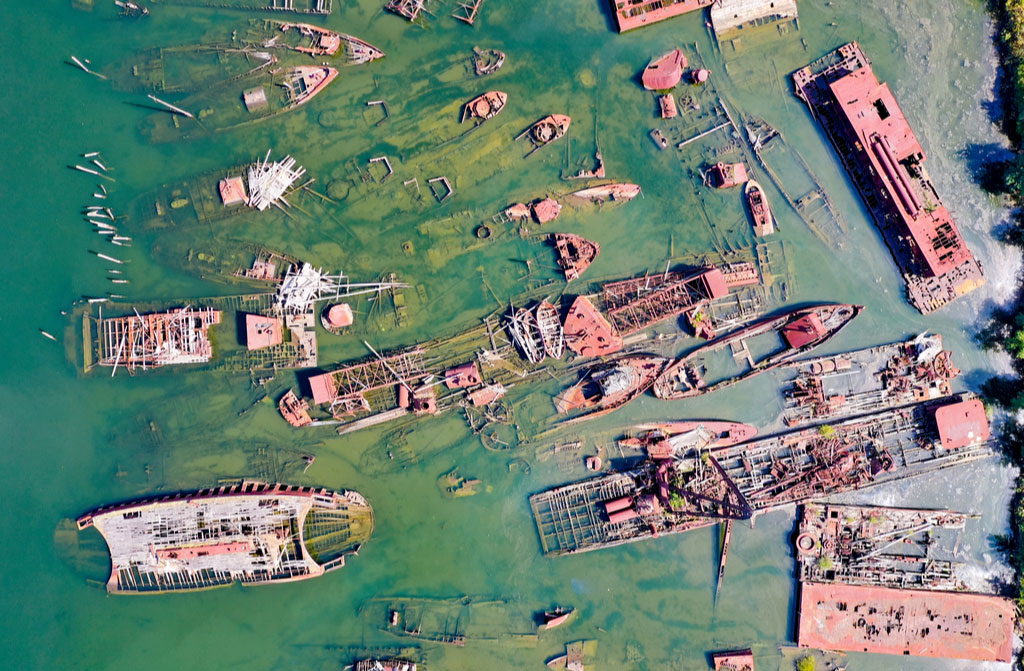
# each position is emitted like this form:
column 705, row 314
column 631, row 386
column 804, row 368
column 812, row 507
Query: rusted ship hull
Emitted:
column 801, row 331
column 886, row 162
column 610, row 386
column 575, row 254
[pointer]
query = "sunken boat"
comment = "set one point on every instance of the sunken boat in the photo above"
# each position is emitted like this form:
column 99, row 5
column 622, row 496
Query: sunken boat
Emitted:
column 252, row 99
column 608, row 192
column 485, row 106
column 874, row 141
column 547, row 130
column 252, row 533
column 783, row 337
column 188, row 68
column 527, row 336
column 550, row 327
column 575, row 253
column 314, row 41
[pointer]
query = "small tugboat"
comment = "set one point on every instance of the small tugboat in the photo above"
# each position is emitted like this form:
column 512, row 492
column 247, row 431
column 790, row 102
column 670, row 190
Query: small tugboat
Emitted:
column 487, row 61
column 550, row 327
column 526, row 334
column 764, row 222
column 484, row 107
column 606, row 192
column 556, row 617
column 609, row 386
column 547, row 130
column 295, row 411
column 800, row 331
column 575, row 254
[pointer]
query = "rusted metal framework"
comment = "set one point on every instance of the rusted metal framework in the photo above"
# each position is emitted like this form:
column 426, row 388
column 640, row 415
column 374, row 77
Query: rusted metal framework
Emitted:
column 467, row 9
column 669, row 300
column 177, row 337
column 410, row 9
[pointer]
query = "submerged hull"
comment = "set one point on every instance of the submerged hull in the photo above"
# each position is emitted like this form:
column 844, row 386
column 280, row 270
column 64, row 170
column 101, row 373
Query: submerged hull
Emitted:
column 249, row 100
column 618, row 382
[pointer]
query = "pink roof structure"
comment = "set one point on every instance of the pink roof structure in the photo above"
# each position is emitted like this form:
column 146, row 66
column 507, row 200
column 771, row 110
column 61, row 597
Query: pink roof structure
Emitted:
column 262, row 331
column 962, row 424
column 665, row 72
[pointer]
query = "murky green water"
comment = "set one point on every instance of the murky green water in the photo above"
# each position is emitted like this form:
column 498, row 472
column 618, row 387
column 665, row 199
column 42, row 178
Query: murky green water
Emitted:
column 75, row 442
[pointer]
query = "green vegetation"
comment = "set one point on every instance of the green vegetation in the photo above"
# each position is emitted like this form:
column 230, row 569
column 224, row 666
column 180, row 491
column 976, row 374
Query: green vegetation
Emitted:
column 824, row 563
column 806, row 663
column 1006, row 328
column 826, row 430
column 676, row 502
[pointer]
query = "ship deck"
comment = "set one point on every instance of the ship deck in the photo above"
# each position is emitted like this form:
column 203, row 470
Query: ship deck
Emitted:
column 906, row 622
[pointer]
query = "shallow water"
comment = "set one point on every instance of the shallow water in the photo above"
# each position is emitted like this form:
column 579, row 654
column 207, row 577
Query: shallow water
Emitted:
column 74, row 442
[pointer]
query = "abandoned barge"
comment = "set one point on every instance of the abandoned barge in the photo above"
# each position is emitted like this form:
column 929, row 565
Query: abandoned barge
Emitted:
column 677, row 490
column 253, row 533
column 867, row 380
column 886, row 162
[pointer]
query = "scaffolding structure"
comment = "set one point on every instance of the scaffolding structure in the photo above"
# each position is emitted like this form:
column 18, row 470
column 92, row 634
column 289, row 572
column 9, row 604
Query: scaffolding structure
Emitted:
column 302, row 287
column 268, row 181
column 165, row 338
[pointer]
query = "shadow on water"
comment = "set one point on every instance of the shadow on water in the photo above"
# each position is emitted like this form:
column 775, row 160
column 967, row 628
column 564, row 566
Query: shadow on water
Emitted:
column 606, row 11
column 986, row 164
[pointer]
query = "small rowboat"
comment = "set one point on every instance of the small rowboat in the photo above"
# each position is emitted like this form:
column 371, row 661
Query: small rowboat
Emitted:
column 526, row 333
column 550, row 327
column 764, row 222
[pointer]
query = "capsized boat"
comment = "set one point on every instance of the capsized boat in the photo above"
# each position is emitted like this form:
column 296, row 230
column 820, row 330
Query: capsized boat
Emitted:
column 486, row 106
column 575, row 253
column 764, row 222
column 250, row 99
column 608, row 386
column 784, row 337
column 606, row 192
column 548, row 129
column 550, row 327
column 526, row 334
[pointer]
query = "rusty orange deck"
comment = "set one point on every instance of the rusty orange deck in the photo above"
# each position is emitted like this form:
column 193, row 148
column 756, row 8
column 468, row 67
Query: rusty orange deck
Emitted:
column 905, row 622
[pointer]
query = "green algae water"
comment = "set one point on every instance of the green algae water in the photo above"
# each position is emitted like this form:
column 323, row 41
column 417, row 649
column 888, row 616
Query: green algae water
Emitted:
column 74, row 442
